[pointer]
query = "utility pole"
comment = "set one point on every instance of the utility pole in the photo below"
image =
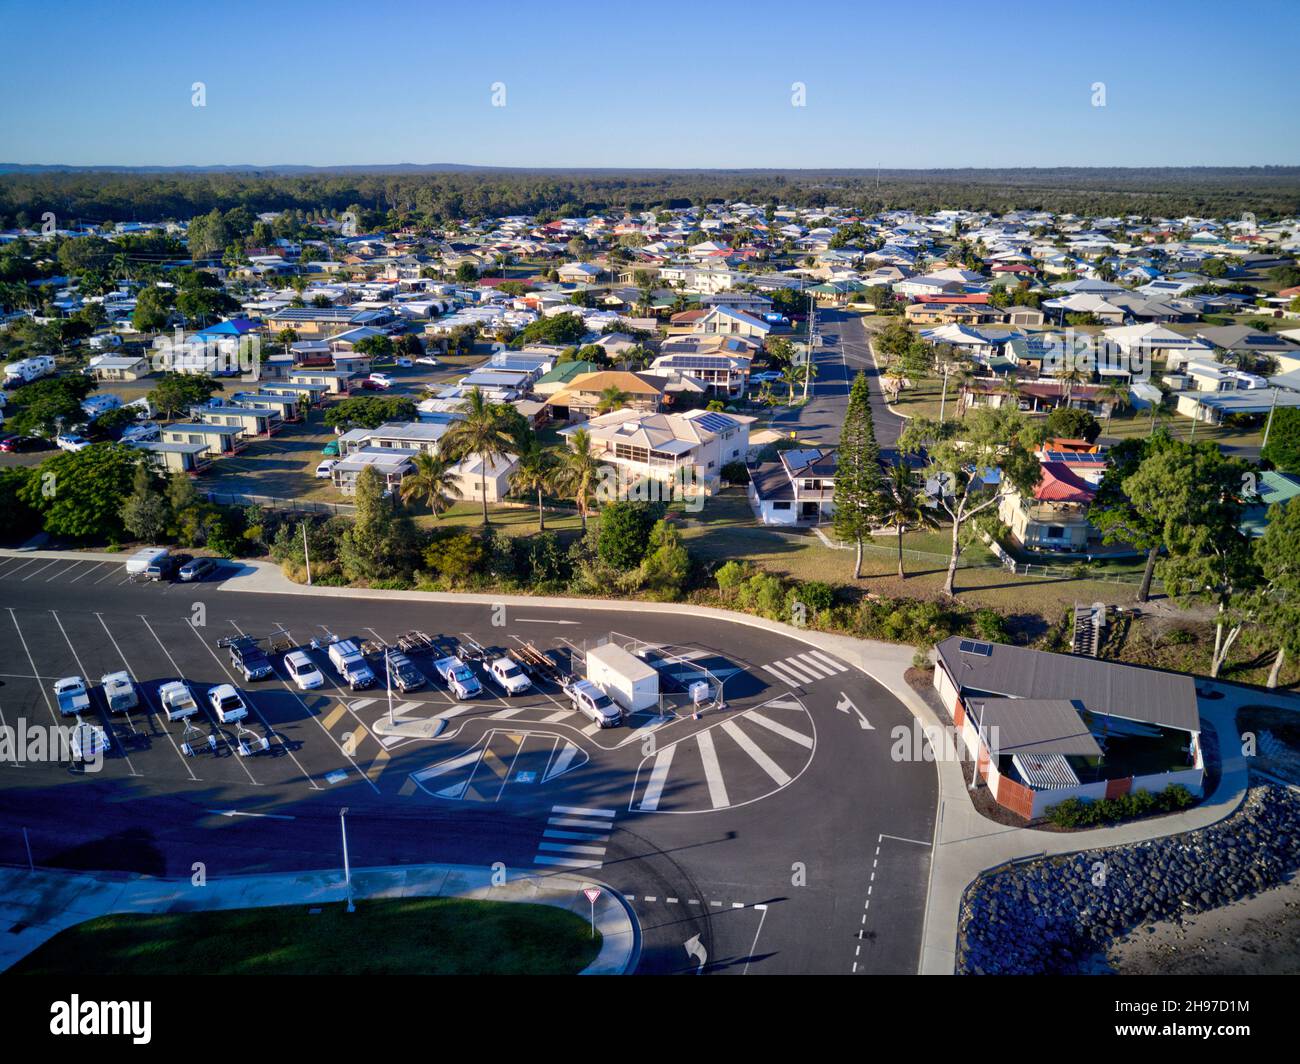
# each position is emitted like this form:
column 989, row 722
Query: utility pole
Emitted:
column 808, row 369
column 1269, row 423
column 306, row 552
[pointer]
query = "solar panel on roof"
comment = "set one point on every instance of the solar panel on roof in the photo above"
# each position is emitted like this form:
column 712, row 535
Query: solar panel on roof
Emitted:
column 969, row 646
column 715, row 422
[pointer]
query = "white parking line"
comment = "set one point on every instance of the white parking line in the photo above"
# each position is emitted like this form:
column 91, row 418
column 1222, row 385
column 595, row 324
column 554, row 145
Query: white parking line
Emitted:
column 761, row 759
column 805, row 741
column 112, row 571
column 82, row 669
column 269, row 730
column 48, row 703
column 37, row 572
column 20, row 568
column 658, row 777
column 162, row 717
column 93, row 567
column 63, row 572
column 206, row 709
column 712, row 771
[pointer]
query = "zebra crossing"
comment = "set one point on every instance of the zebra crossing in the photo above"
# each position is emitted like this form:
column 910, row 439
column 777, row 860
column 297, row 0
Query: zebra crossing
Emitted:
column 736, row 761
column 576, row 836
column 799, row 670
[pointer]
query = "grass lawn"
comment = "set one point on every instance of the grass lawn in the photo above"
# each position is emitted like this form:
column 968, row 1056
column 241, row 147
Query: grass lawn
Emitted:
column 409, row 936
column 725, row 529
column 1138, row 423
column 509, row 520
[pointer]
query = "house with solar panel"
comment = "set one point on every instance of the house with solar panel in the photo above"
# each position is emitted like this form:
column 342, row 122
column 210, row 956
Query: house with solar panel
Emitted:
column 797, row 489
column 691, row 447
column 1044, row 727
column 1055, row 516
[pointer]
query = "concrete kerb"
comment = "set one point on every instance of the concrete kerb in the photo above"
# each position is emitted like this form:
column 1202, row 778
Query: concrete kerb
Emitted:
column 958, row 825
column 43, row 903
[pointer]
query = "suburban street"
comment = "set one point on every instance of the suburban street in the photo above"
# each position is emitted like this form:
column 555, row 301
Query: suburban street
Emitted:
column 778, row 829
column 844, row 352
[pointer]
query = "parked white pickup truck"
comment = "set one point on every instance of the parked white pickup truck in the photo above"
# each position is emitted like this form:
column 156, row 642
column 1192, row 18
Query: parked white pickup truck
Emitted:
column 72, row 696
column 177, row 700
column 592, row 702
column 509, row 676
column 458, row 677
column 119, row 692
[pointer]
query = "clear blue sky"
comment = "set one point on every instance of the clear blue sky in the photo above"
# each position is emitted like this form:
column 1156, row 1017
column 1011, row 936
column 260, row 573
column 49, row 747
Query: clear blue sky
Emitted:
column 702, row 84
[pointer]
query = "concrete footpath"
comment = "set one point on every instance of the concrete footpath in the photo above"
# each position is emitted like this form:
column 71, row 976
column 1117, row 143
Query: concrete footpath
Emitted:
column 965, row 843
column 40, row 904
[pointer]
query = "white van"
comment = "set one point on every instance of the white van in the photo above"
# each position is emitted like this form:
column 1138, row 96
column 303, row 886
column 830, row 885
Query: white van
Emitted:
column 143, row 558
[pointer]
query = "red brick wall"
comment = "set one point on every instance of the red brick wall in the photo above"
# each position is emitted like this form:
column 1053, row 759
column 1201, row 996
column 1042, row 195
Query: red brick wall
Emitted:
column 1117, row 788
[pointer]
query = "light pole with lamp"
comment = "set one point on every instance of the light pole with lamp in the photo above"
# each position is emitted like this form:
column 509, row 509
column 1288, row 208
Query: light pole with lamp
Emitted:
column 347, row 870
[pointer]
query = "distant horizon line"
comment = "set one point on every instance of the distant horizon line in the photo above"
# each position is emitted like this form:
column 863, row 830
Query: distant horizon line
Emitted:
column 16, row 167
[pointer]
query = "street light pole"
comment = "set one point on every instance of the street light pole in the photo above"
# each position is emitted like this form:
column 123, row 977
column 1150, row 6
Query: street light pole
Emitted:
column 388, row 680
column 347, row 870
column 306, row 552
column 1269, row 424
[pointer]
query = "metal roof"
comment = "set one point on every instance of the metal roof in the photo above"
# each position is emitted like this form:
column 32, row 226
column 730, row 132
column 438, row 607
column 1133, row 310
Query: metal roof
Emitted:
column 1100, row 687
column 1032, row 725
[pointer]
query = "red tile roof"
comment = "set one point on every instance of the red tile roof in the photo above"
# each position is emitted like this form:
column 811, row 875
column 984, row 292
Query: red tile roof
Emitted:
column 1060, row 484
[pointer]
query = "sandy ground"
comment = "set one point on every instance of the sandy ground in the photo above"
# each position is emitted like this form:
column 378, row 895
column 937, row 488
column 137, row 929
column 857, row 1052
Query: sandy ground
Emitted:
column 1255, row 936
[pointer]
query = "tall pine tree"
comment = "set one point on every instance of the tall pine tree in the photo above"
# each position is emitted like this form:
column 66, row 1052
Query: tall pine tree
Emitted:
column 859, row 483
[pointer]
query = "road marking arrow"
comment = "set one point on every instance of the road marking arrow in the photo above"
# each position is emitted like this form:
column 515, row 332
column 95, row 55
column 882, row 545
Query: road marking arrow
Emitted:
column 695, row 948
column 540, row 620
column 845, row 705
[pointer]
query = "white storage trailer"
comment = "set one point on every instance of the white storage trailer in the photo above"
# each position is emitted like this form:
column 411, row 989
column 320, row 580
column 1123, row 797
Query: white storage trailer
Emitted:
column 627, row 679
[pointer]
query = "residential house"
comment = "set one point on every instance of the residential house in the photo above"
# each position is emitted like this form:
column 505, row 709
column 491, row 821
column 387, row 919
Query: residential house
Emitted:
column 1055, row 518
column 797, row 489
column 583, row 394
column 119, row 367
column 391, row 466
column 1045, row 727
column 727, row 321
column 670, row 447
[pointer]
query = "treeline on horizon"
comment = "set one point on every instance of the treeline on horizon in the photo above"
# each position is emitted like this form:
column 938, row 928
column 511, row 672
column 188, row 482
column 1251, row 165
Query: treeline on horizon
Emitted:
column 439, row 197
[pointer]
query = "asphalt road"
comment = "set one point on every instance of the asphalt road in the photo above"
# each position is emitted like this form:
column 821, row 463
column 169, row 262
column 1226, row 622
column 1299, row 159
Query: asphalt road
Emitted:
column 779, row 830
column 843, row 355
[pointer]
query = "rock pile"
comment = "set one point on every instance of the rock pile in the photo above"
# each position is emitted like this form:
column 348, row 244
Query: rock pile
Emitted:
column 1056, row 915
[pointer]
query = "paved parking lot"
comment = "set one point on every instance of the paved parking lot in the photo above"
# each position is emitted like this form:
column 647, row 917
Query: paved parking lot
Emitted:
column 779, row 780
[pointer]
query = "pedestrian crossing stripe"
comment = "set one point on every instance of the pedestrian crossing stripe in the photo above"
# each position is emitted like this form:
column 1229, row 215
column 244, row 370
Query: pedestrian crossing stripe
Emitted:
column 786, row 677
column 334, row 716
column 579, row 849
column 805, row 668
column 836, row 665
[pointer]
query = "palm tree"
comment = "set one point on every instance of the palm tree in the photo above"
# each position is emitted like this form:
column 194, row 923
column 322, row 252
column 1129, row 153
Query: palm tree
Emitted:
column 535, row 473
column 1113, row 395
column 482, row 432
column 577, row 473
column 903, row 507
column 1069, row 376
column 612, row 398
column 431, row 481
column 790, row 375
